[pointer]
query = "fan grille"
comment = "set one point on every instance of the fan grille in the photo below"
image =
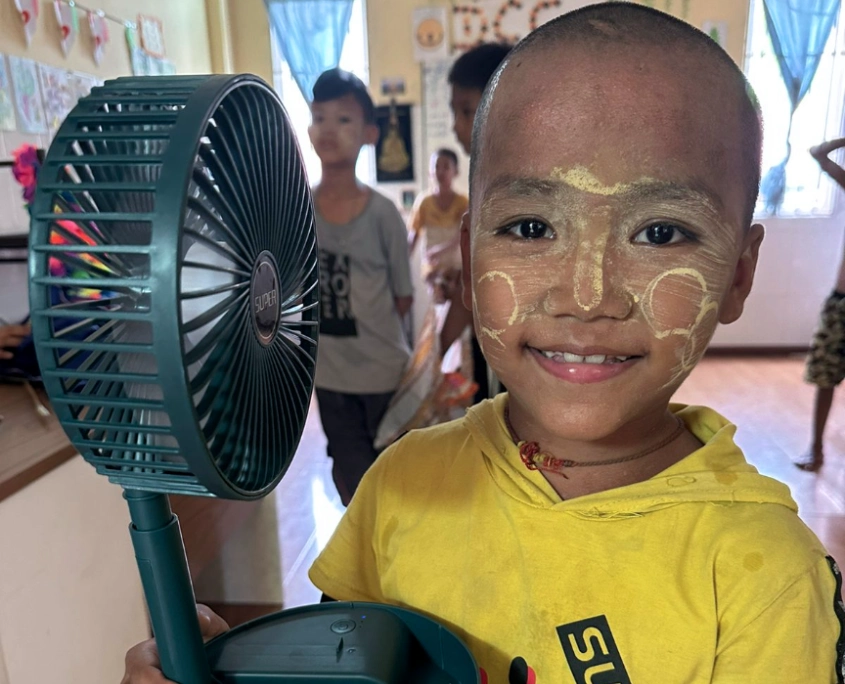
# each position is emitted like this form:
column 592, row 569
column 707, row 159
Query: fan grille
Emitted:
column 174, row 284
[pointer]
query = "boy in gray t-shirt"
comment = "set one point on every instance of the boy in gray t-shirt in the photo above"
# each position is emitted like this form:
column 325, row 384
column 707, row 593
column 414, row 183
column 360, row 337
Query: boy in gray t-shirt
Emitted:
column 365, row 282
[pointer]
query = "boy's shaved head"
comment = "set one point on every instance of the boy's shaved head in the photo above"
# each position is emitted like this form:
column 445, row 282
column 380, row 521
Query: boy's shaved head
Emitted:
column 624, row 34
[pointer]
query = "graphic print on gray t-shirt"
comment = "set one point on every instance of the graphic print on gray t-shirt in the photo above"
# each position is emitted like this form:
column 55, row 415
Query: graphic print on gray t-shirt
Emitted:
column 364, row 268
column 336, row 316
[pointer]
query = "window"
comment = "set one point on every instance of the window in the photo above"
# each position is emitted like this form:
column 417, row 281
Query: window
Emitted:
column 354, row 59
column 809, row 191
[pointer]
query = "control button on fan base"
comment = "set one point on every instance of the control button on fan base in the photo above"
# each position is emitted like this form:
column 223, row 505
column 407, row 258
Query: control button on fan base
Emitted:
column 264, row 297
column 343, row 626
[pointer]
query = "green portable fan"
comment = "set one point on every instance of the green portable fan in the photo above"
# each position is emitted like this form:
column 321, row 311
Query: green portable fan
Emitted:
column 174, row 297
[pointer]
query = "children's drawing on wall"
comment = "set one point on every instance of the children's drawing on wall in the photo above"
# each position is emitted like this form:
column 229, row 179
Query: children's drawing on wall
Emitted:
column 58, row 94
column 81, row 85
column 7, row 105
column 28, row 105
column 394, row 151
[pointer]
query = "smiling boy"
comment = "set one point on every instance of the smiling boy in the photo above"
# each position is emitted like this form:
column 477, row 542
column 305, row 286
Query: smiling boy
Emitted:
column 580, row 529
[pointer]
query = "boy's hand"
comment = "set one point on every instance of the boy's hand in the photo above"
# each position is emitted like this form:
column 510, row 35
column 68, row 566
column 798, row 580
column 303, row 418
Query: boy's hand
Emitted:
column 11, row 336
column 142, row 663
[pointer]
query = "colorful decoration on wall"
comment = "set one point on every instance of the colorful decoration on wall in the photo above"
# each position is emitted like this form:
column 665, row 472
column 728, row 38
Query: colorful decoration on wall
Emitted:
column 28, row 104
column 99, row 34
column 497, row 22
column 467, row 13
column 68, row 19
column 541, row 7
column 143, row 63
column 8, row 122
column 152, row 35
column 28, row 9
column 513, row 19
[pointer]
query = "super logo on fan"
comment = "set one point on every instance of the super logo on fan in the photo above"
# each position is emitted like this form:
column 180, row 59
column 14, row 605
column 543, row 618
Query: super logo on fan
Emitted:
column 266, row 300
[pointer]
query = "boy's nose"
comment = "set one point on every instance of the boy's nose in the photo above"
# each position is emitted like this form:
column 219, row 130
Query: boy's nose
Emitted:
column 588, row 286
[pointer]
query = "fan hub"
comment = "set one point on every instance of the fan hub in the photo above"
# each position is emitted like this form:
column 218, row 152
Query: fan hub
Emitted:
column 264, row 295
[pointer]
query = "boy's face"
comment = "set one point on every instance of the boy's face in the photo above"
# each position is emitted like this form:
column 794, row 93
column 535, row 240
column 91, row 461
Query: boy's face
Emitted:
column 338, row 131
column 464, row 102
column 606, row 222
column 444, row 171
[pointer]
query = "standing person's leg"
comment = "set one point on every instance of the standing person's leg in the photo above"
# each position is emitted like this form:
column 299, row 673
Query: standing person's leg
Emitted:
column 350, row 446
column 825, row 369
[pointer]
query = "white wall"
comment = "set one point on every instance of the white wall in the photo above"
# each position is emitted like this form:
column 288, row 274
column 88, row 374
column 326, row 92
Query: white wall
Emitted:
column 70, row 595
column 796, row 272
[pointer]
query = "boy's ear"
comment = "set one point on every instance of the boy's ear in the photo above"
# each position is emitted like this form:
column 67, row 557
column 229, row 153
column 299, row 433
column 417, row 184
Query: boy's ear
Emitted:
column 735, row 297
column 371, row 134
column 466, row 263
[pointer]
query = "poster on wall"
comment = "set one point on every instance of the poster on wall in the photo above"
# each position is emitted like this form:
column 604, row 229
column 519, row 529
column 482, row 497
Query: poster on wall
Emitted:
column 429, row 32
column 57, row 93
column 394, row 150
column 8, row 122
column 28, row 104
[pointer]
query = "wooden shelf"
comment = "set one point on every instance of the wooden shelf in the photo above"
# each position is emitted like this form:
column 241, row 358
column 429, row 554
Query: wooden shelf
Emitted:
column 30, row 446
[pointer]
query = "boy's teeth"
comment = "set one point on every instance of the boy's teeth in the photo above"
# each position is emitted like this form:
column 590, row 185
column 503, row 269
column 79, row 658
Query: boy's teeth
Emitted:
column 566, row 357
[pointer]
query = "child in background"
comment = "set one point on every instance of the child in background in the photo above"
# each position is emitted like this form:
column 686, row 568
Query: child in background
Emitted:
column 826, row 364
column 426, row 395
column 580, row 527
column 436, row 218
column 468, row 77
column 365, row 281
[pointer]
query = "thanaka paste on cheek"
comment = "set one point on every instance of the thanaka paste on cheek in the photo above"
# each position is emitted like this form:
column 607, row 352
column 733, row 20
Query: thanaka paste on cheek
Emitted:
column 485, row 330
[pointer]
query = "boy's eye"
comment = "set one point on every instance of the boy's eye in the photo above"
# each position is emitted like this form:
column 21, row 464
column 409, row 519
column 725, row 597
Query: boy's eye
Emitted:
column 661, row 234
column 529, row 229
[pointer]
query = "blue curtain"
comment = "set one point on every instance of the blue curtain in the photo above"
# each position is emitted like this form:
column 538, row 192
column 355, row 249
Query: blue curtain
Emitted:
column 310, row 34
column 799, row 30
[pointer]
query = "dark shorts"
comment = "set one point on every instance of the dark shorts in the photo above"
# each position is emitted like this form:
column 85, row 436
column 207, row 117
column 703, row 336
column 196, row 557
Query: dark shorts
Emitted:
column 826, row 363
column 350, row 422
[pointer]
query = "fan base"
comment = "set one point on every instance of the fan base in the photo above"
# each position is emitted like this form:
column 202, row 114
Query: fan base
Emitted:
column 341, row 642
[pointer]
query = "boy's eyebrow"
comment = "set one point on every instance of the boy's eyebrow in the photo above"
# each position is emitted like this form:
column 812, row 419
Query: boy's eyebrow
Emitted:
column 646, row 189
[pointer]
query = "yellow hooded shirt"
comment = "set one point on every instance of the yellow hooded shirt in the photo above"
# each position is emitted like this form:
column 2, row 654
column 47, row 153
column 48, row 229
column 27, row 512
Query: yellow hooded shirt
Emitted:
column 703, row 573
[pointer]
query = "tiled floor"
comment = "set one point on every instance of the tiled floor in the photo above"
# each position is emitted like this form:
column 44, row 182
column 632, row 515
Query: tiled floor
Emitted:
column 267, row 562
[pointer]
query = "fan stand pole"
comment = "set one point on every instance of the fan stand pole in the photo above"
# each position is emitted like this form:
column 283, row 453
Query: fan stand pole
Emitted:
column 161, row 558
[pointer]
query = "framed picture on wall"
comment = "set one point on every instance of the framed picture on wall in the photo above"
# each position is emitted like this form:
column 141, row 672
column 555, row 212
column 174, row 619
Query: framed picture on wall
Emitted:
column 395, row 149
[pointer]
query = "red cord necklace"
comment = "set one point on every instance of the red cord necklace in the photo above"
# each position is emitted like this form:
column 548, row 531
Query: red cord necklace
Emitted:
column 534, row 459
